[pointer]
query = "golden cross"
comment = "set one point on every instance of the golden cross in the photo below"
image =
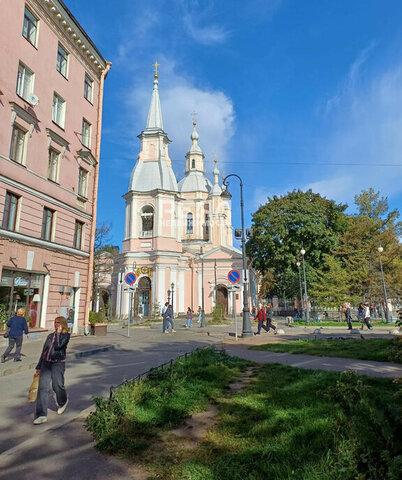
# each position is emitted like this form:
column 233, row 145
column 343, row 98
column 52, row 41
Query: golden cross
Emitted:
column 156, row 65
column 214, row 153
column 194, row 115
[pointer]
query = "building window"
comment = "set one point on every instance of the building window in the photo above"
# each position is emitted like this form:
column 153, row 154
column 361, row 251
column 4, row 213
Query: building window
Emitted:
column 17, row 148
column 62, row 61
column 10, row 212
column 193, row 163
column 59, row 110
column 88, row 88
column 53, row 166
column 30, row 27
column 78, row 231
column 189, row 223
column 47, row 224
column 25, row 80
column 82, row 182
column 206, row 224
column 86, row 133
column 147, row 221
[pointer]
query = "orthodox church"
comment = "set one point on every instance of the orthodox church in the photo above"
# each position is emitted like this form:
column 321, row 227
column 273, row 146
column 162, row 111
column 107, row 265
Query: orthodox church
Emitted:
column 178, row 234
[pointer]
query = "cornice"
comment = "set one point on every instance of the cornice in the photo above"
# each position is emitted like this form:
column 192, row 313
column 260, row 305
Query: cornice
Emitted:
column 69, row 26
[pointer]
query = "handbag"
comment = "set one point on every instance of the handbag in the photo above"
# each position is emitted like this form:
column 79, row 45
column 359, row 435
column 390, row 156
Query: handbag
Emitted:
column 7, row 334
column 33, row 389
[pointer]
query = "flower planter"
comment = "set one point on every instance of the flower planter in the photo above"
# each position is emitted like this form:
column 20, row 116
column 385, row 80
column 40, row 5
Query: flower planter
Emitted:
column 99, row 329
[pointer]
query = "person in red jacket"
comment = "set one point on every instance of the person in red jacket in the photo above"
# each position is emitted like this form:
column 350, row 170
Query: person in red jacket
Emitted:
column 261, row 317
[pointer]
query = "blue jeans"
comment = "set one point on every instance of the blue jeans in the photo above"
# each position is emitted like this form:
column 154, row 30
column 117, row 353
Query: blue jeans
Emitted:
column 17, row 341
column 188, row 323
column 54, row 372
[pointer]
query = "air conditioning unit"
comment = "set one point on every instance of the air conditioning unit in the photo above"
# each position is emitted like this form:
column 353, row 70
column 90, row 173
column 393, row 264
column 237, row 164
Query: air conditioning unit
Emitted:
column 33, row 99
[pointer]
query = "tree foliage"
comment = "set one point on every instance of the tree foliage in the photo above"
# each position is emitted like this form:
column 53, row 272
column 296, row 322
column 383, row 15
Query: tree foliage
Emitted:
column 283, row 225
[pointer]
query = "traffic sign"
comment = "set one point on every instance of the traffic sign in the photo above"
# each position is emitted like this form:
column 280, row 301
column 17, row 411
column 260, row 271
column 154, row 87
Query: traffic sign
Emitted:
column 130, row 278
column 234, row 288
column 234, row 276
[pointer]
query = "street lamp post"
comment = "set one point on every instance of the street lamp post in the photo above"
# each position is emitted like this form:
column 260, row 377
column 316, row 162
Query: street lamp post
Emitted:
column 387, row 315
column 168, row 299
column 172, row 287
column 302, row 251
column 247, row 332
column 301, row 290
column 202, row 287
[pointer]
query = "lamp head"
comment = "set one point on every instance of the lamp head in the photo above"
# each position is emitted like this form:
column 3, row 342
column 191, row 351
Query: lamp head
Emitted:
column 302, row 251
column 298, row 263
column 380, row 249
column 172, row 286
column 226, row 195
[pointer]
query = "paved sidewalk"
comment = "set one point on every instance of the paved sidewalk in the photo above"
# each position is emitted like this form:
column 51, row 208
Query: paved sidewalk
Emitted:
column 63, row 449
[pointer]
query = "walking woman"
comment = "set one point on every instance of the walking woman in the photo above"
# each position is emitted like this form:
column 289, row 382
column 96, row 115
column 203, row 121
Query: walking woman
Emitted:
column 189, row 318
column 18, row 326
column 51, row 366
column 348, row 315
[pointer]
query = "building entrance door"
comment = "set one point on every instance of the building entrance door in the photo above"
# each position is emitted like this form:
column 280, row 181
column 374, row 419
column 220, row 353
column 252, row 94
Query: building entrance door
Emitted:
column 143, row 297
column 222, row 297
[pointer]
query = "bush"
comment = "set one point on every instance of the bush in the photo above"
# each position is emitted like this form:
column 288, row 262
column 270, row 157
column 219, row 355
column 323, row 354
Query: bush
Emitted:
column 96, row 317
column 218, row 314
column 370, row 428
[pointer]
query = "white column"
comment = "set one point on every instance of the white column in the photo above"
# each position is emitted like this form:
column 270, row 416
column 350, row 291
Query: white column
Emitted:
column 181, row 287
column 161, row 272
column 45, row 294
column 133, row 218
column 76, row 310
column 128, row 219
column 199, row 284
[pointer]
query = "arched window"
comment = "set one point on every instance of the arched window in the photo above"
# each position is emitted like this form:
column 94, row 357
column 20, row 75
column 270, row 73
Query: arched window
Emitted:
column 147, row 221
column 193, row 163
column 189, row 223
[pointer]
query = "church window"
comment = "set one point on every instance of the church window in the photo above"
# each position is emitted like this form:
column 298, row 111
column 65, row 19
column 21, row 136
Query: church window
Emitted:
column 193, row 163
column 189, row 223
column 147, row 221
column 206, row 224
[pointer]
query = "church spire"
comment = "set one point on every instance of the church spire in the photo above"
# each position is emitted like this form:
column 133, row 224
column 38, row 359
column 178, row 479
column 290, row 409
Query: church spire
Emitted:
column 154, row 121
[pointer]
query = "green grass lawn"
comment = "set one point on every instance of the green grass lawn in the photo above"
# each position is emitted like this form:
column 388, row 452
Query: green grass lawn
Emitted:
column 335, row 323
column 287, row 423
column 378, row 349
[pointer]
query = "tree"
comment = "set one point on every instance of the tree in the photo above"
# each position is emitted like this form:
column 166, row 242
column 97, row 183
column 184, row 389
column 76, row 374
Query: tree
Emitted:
column 104, row 254
column 283, row 224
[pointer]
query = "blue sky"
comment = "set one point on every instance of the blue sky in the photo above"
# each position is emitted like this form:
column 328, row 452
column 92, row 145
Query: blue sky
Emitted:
column 289, row 93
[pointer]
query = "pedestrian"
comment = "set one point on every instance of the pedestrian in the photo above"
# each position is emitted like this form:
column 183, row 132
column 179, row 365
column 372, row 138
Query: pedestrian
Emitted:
column 51, row 366
column 189, row 318
column 18, row 326
column 348, row 315
column 269, row 318
column 164, row 308
column 199, row 311
column 168, row 320
column 366, row 317
column 260, row 317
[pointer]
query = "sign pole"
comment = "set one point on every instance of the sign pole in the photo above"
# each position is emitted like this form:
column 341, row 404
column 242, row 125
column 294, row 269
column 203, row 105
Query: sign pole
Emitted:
column 234, row 311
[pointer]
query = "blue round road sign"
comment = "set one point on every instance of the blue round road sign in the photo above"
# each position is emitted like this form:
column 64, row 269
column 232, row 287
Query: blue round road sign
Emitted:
column 234, row 276
column 130, row 278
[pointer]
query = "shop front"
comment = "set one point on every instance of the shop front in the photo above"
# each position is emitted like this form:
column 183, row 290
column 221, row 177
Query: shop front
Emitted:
column 22, row 289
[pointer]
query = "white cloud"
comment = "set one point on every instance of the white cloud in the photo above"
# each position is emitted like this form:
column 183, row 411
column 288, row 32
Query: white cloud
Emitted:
column 208, row 34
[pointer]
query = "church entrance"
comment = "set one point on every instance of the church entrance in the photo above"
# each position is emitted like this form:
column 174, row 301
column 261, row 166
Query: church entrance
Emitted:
column 222, row 297
column 142, row 299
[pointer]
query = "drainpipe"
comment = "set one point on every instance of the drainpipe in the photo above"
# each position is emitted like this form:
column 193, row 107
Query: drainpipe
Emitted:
column 95, row 199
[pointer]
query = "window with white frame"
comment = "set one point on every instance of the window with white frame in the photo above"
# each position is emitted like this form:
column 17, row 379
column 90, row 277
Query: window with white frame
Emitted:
column 10, row 211
column 47, row 224
column 88, row 88
column 192, row 163
column 53, row 165
column 62, row 60
column 206, row 224
column 25, row 81
column 58, row 110
column 78, row 232
column 147, row 221
column 82, row 182
column 17, row 147
column 30, row 27
column 86, row 133
column 189, row 223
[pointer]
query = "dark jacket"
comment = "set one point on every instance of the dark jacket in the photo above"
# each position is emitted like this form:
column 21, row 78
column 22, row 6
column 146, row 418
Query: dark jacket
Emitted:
column 268, row 312
column 54, row 349
column 18, row 326
column 348, row 316
column 168, row 313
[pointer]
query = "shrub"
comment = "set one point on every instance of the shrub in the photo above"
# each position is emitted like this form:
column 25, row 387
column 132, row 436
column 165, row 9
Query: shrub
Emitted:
column 96, row 317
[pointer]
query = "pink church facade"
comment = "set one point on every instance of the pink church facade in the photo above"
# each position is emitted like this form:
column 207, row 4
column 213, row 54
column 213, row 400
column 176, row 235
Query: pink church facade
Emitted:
column 178, row 234
column 51, row 84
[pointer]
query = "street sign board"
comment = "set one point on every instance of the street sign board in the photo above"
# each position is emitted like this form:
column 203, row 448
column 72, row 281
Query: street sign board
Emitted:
column 234, row 288
column 130, row 278
column 234, row 276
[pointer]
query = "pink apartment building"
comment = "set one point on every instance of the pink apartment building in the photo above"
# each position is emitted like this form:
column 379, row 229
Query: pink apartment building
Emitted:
column 51, row 89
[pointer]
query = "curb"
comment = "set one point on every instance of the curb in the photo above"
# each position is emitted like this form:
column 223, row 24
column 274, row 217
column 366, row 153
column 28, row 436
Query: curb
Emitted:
column 70, row 356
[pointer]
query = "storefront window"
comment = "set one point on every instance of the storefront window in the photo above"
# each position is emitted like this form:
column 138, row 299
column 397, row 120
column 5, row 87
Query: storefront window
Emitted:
column 22, row 289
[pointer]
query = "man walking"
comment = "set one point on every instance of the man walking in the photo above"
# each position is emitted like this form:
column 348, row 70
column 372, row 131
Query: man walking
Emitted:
column 269, row 318
column 261, row 318
column 366, row 317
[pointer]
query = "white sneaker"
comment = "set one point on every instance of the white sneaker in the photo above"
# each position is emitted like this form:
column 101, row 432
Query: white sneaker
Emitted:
column 61, row 409
column 40, row 420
